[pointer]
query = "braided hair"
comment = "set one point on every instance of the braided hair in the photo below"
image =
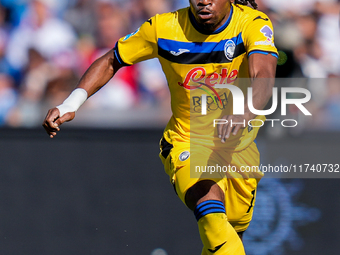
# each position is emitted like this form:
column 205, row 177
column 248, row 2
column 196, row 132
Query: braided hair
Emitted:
column 245, row 2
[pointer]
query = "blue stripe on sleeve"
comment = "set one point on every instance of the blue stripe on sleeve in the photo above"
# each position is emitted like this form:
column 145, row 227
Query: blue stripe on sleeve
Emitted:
column 264, row 53
column 118, row 57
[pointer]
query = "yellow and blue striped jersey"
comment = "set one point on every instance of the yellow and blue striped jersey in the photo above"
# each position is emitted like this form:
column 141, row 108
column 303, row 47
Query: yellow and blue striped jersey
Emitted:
column 194, row 62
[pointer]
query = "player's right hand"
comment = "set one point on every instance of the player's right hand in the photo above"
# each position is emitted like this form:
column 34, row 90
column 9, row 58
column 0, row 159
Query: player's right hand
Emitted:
column 53, row 121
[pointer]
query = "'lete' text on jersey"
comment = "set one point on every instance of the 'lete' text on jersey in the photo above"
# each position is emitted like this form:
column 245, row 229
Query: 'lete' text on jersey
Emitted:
column 194, row 62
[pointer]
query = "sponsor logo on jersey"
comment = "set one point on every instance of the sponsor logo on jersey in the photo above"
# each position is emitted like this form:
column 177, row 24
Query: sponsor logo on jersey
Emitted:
column 212, row 103
column 179, row 52
column 184, row 155
column 265, row 43
column 268, row 32
column 199, row 76
column 132, row 34
column 229, row 49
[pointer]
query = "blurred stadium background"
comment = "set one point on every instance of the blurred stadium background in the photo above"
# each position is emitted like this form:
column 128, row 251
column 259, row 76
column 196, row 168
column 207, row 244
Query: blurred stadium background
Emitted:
column 99, row 187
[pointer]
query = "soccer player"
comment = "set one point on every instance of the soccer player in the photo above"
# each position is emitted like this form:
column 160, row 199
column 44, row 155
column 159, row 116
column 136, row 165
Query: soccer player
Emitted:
column 211, row 42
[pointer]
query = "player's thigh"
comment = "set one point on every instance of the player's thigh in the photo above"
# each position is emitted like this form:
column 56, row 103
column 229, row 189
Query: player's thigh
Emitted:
column 181, row 163
column 240, row 200
column 241, row 189
column 188, row 178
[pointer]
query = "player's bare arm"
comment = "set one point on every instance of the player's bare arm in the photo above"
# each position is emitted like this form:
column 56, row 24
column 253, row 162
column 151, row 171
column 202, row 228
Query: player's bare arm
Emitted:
column 260, row 66
column 98, row 74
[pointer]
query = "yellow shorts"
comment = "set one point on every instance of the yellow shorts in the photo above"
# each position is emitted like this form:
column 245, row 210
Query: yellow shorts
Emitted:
column 182, row 163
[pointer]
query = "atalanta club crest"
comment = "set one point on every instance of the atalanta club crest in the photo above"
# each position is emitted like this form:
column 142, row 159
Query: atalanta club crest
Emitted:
column 184, row 155
column 229, row 49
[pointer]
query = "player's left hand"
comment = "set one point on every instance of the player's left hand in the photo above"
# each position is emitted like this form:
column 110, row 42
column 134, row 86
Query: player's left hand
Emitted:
column 232, row 126
column 53, row 121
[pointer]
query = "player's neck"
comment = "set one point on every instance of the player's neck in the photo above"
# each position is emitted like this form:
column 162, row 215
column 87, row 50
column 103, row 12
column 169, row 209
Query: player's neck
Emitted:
column 212, row 28
column 224, row 22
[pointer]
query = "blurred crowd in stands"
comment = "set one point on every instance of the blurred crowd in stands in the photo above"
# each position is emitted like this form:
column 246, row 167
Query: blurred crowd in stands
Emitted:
column 46, row 45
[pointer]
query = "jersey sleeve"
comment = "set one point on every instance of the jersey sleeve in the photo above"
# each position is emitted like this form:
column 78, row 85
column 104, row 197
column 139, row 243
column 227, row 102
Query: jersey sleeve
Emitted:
column 259, row 36
column 139, row 45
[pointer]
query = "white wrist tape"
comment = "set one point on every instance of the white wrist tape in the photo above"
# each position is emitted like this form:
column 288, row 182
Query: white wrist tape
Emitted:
column 73, row 102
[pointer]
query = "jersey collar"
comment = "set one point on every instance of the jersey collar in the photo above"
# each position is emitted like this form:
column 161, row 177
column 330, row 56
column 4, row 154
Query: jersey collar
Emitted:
column 219, row 30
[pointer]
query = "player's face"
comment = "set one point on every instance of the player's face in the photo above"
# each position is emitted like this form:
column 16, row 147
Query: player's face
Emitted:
column 210, row 14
